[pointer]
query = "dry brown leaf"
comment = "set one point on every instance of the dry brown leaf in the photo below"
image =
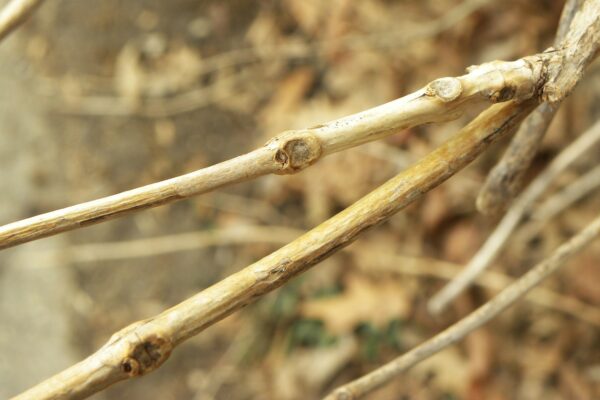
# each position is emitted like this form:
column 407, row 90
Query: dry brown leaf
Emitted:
column 573, row 384
column 584, row 277
column 448, row 370
column 480, row 349
column 435, row 209
column 309, row 14
column 363, row 300
column 461, row 241
column 263, row 33
column 304, row 374
column 154, row 67
column 286, row 101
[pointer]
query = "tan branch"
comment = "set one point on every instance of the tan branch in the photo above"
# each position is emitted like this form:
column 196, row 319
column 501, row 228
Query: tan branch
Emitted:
column 119, row 106
column 505, row 180
column 476, row 319
column 150, row 247
column 492, row 280
column 442, row 100
column 522, row 206
column 572, row 193
column 14, row 14
column 350, row 42
column 577, row 50
column 277, row 235
column 201, row 97
column 145, row 345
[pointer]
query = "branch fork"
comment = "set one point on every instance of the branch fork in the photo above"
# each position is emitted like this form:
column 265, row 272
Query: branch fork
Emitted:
column 517, row 86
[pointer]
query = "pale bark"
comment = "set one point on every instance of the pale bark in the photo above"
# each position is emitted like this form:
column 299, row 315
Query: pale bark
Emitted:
column 442, row 100
column 14, row 14
column 143, row 346
column 505, row 180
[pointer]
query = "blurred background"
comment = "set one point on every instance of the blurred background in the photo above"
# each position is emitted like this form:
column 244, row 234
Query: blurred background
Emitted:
column 100, row 97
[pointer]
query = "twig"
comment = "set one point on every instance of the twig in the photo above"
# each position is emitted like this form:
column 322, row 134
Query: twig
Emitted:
column 442, row 100
column 250, row 207
column 14, row 14
column 204, row 96
column 522, row 206
column 351, row 42
column 247, row 234
column 145, row 345
column 577, row 51
column 505, row 180
column 476, row 319
column 550, row 76
column 118, row 106
column 572, row 193
column 180, row 242
column 493, row 280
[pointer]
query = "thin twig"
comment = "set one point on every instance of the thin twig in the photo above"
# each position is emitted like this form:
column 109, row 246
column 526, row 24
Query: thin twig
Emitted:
column 476, row 319
column 577, row 51
column 522, row 206
column 349, row 42
column 118, row 106
column 243, row 205
column 493, row 280
column 505, row 180
column 14, row 14
column 550, row 76
column 180, row 242
column 145, row 345
column 442, row 100
column 572, row 193
column 380, row 261
column 204, row 96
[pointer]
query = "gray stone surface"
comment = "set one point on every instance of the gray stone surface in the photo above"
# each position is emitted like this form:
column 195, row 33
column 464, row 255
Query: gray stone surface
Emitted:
column 34, row 293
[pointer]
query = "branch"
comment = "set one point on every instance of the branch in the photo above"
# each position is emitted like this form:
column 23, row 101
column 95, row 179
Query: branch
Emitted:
column 144, row 346
column 374, row 260
column 442, row 100
column 557, row 203
column 388, row 39
column 201, row 97
column 492, row 280
column 476, row 319
column 572, row 193
column 14, row 14
column 577, row 50
column 244, row 234
column 505, row 180
column 549, row 75
column 522, row 206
